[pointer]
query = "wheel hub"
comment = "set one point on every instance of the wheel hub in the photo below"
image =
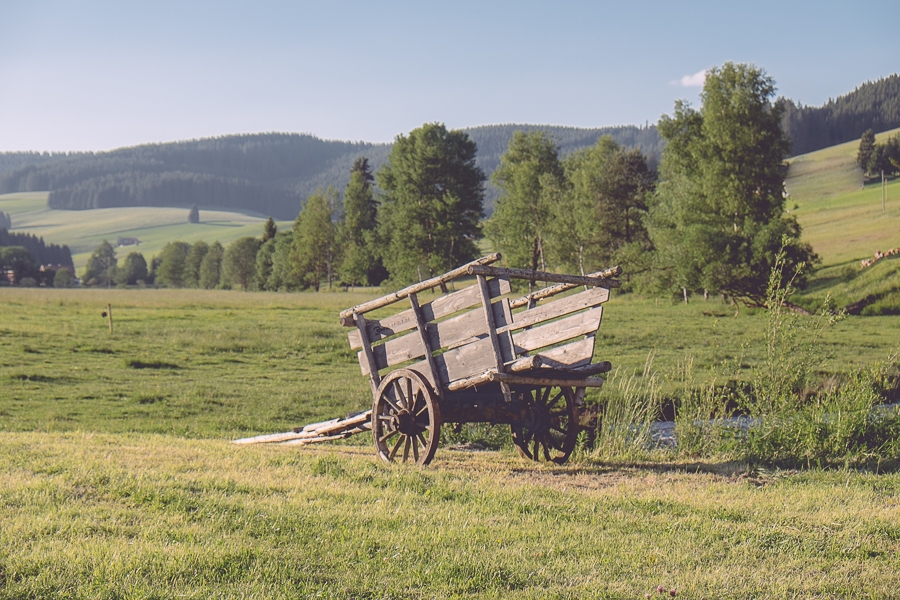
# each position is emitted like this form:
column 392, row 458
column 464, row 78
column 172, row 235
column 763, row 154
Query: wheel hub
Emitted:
column 404, row 422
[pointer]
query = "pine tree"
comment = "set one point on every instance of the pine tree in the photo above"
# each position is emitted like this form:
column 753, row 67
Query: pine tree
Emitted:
column 866, row 148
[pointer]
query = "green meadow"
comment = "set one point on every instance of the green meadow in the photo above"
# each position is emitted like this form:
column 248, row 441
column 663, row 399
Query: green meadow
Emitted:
column 117, row 478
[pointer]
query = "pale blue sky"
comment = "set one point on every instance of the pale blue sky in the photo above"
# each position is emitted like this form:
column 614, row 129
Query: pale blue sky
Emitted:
column 96, row 75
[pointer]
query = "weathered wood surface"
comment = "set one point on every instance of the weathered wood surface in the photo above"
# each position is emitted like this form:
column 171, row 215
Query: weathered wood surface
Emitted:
column 582, row 323
column 346, row 316
column 528, row 363
column 514, row 379
column 449, row 334
column 558, row 308
column 431, row 311
column 548, row 292
column 530, row 275
column 569, row 356
column 331, row 429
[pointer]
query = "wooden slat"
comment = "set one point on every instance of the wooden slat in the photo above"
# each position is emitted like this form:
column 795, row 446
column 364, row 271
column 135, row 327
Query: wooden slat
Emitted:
column 547, row 292
column 466, row 327
column 393, row 352
column 558, row 331
column 425, row 342
column 436, row 309
column 346, row 316
column 558, row 308
column 575, row 354
column 541, row 276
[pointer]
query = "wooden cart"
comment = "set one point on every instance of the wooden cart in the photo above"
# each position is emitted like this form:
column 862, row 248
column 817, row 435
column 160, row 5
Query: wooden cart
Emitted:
column 474, row 355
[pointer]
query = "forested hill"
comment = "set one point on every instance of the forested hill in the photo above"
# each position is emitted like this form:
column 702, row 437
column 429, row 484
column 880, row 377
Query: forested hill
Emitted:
column 874, row 105
column 265, row 173
column 268, row 173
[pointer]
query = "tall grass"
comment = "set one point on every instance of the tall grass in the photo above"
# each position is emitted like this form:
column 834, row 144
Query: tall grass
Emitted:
column 632, row 405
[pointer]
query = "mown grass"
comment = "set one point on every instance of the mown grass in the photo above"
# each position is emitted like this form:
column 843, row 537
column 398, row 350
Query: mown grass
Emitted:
column 83, row 230
column 154, row 516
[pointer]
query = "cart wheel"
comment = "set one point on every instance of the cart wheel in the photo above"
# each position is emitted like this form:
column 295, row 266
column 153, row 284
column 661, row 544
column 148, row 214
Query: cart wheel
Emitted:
column 406, row 418
column 550, row 430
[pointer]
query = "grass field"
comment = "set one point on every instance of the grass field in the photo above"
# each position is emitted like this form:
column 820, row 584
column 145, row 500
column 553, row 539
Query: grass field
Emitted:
column 842, row 219
column 83, row 230
column 117, row 479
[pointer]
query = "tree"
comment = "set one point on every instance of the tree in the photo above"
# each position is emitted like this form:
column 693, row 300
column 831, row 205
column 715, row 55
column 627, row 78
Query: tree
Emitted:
column 530, row 178
column 239, row 263
column 211, row 267
column 600, row 211
column 866, row 147
column 269, row 230
column 360, row 264
column 315, row 248
column 134, row 269
column 284, row 275
column 263, row 271
column 63, row 279
column 101, row 265
column 718, row 221
column 192, row 263
column 194, row 214
column 171, row 270
column 19, row 260
column 432, row 203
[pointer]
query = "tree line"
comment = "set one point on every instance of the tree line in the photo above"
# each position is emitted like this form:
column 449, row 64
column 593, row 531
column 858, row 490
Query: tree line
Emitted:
column 873, row 105
column 710, row 220
column 24, row 254
column 878, row 159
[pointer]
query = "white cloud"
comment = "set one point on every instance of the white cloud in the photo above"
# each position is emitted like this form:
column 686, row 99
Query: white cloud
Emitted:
column 695, row 80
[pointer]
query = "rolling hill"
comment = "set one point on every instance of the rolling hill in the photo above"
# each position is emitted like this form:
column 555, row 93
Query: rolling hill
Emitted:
column 153, row 226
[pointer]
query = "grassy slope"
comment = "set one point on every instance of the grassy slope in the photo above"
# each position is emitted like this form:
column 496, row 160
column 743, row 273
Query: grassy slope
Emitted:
column 83, row 230
column 842, row 219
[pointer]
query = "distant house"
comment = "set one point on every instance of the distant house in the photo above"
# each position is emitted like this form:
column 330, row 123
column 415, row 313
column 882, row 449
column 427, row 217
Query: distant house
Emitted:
column 57, row 268
column 126, row 241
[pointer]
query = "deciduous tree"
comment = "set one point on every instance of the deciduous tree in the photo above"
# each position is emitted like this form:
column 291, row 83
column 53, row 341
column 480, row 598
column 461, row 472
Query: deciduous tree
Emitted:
column 530, row 178
column 718, row 220
column 314, row 242
column 211, row 267
column 101, row 265
column 239, row 263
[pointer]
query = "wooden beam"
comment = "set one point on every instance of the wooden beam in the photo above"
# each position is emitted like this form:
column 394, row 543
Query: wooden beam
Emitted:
column 347, row 315
column 426, row 343
column 537, row 295
column 574, row 280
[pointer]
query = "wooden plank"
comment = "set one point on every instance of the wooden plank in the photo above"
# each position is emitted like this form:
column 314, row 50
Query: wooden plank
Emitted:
column 558, row 308
column 542, row 276
column 370, row 364
column 394, row 352
column 575, row 354
column 547, row 292
column 529, row 363
column 346, row 316
column 425, row 342
column 558, row 331
column 438, row 308
column 467, row 327
column 488, row 312
column 547, row 381
column 471, row 359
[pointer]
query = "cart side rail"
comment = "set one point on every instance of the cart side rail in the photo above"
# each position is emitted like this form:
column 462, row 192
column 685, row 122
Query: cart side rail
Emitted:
column 346, row 316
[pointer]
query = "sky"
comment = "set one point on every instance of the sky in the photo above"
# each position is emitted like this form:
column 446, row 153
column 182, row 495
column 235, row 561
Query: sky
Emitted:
column 97, row 75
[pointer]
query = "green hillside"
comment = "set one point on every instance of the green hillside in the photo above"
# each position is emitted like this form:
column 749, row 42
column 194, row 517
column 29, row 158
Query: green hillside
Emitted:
column 83, row 230
column 842, row 218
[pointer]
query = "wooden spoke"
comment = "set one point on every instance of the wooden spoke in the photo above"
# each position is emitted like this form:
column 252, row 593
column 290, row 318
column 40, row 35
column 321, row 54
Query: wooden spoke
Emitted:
column 549, row 430
column 395, row 448
column 405, row 406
